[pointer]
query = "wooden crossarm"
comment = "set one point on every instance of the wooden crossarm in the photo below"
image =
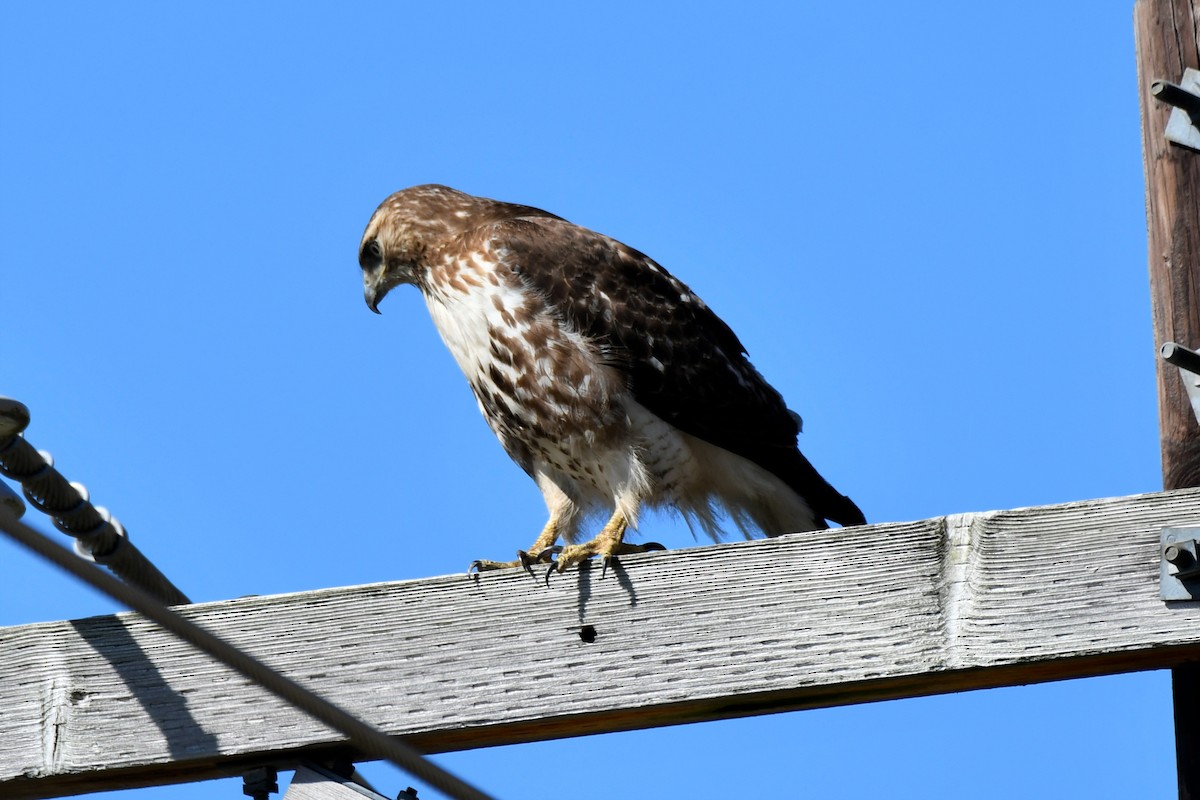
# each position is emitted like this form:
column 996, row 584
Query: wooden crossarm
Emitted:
column 802, row 621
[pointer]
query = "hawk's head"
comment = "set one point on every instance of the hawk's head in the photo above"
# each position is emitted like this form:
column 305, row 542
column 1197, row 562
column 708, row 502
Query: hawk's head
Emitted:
column 403, row 230
column 409, row 228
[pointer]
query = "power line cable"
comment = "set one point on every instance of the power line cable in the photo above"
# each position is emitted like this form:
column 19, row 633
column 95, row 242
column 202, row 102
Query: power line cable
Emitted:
column 99, row 537
column 367, row 738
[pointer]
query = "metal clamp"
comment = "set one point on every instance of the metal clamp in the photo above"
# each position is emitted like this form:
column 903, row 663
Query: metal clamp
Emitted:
column 1183, row 126
column 1179, row 564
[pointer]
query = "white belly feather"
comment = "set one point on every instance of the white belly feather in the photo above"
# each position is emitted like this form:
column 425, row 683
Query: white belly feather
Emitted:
column 557, row 407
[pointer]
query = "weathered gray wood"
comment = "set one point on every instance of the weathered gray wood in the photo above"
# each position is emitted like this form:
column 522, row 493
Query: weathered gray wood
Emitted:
column 309, row 783
column 815, row 619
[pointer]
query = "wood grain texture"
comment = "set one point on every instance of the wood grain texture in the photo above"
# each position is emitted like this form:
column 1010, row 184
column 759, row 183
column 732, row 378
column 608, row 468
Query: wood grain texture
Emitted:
column 310, row 784
column 802, row 621
column 1166, row 38
column 1165, row 32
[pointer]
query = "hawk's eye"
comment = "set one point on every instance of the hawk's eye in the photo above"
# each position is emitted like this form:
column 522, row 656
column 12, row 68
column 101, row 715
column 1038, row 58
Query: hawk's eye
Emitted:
column 371, row 255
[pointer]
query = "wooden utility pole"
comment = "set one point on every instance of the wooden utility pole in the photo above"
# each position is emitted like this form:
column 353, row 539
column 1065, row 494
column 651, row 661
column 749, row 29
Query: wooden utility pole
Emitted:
column 1166, row 35
column 1165, row 31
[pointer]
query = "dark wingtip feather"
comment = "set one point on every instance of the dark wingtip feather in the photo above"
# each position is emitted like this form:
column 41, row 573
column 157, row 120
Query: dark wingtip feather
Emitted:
column 845, row 512
column 827, row 503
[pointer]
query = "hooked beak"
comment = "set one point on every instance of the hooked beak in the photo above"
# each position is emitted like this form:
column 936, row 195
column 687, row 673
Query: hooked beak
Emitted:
column 372, row 302
column 371, row 292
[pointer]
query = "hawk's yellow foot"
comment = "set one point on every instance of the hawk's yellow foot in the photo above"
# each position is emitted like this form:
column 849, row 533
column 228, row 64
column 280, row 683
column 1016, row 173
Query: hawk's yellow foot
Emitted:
column 540, row 552
column 524, row 559
column 578, row 553
column 608, row 543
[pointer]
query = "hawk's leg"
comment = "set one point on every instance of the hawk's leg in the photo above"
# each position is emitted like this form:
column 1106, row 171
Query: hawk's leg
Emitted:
column 541, row 551
column 608, row 543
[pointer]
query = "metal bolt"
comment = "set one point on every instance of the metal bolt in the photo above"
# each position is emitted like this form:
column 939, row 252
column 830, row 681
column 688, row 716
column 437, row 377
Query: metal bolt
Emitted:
column 1175, row 95
column 1180, row 356
column 1179, row 556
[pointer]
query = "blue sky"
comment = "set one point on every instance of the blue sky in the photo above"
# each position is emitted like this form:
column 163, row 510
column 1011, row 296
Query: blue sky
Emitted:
column 927, row 227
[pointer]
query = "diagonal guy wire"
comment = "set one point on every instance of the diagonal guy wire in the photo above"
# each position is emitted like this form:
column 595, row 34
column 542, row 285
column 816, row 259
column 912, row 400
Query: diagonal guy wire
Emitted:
column 365, row 737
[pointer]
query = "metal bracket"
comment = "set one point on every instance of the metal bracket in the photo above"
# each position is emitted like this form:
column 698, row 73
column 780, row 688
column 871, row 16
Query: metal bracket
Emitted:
column 1188, row 362
column 1183, row 126
column 1179, row 564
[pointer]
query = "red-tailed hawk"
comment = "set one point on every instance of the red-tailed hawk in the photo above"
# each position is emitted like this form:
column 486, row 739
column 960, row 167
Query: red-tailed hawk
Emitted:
column 607, row 379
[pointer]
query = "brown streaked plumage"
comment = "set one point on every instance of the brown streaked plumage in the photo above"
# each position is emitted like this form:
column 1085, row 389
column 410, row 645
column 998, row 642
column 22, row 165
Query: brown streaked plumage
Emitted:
column 604, row 377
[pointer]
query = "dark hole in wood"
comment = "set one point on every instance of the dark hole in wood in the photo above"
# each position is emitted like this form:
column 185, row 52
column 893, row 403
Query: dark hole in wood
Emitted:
column 587, row 633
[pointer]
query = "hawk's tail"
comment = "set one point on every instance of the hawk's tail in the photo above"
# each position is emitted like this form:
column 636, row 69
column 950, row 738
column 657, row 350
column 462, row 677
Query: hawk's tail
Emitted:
column 825, row 501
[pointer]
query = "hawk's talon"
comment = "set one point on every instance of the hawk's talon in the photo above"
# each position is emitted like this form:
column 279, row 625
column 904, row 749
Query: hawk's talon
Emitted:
column 484, row 565
column 527, row 560
column 524, row 559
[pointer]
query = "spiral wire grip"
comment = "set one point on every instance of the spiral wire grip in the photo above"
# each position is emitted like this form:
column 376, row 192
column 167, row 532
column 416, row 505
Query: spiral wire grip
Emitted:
column 99, row 537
